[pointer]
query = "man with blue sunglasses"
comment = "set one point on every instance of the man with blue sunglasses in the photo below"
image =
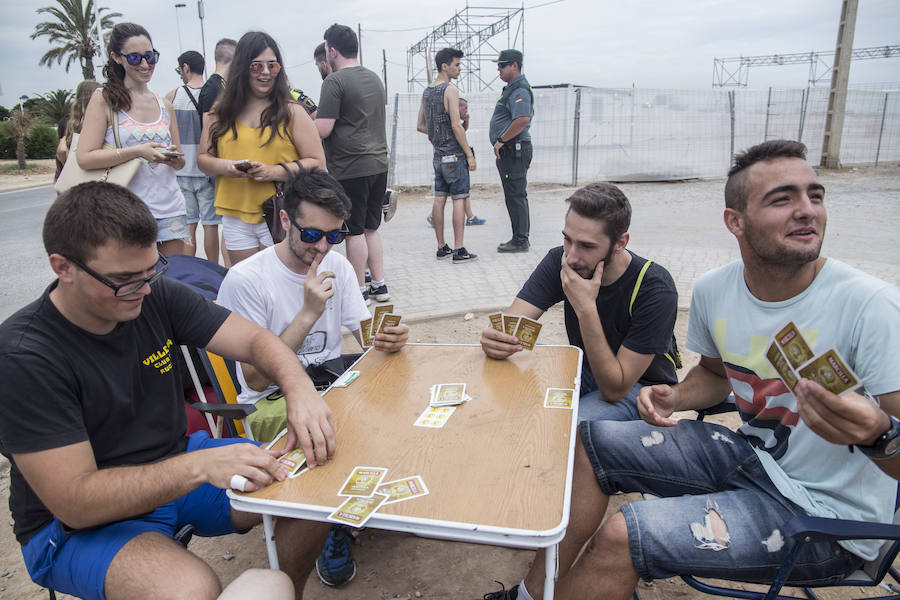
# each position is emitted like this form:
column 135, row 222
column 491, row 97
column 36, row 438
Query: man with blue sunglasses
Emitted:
column 303, row 292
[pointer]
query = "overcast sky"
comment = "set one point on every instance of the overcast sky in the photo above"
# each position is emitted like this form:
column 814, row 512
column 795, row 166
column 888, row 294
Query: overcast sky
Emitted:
column 603, row 43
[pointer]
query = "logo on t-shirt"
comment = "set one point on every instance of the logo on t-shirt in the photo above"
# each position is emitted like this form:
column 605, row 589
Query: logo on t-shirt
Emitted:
column 161, row 359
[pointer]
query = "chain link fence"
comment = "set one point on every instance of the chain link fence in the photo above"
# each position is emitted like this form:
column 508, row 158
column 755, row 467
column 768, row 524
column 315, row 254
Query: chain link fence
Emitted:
column 589, row 134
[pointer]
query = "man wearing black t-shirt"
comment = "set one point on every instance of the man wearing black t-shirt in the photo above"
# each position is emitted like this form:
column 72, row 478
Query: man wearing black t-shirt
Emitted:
column 102, row 474
column 619, row 308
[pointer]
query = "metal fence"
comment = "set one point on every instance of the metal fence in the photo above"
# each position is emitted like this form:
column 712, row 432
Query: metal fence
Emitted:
column 588, row 134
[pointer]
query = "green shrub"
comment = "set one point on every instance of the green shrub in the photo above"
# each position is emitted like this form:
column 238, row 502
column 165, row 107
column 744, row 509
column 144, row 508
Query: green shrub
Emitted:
column 7, row 142
column 41, row 142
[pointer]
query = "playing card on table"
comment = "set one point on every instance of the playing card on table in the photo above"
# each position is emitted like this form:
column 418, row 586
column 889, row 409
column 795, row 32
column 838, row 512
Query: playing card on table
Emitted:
column 346, row 378
column 509, row 324
column 496, row 321
column 435, row 417
column 792, row 344
column 380, row 311
column 831, row 371
column 558, row 398
column 389, row 320
column 782, row 366
column 293, row 460
column 362, row 481
column 355, row 511
column 403, row 489
column 448, row 394
column 527, row 331
column 365, row 332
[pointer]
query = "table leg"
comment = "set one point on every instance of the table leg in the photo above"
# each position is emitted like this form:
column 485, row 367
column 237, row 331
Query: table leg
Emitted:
column 550, row 556
column 269, row 533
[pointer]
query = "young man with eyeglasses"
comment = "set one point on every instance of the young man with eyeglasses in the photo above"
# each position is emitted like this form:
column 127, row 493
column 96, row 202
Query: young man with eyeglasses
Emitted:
column 511, row 139
column 102, row 474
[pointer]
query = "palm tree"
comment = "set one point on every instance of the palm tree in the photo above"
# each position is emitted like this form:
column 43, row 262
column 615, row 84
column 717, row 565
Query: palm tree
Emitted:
column 72, row 34
column 20, row 126
column 54, row 105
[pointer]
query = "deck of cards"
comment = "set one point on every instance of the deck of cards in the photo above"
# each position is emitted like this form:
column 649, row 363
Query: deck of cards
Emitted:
column 366, row 494
column 524, row 329
column 383, row 317
column 448, row 394
column 793, row 358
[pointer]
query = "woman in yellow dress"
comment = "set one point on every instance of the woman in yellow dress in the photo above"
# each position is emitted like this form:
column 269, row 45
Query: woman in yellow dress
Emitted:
column 253, row 129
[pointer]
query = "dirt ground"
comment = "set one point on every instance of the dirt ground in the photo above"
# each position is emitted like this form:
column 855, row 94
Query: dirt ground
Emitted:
column 391, row 565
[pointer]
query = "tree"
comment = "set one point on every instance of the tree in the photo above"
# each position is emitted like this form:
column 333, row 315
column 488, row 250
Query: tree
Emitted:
column 19, row 126
column 72, row 34
column 53, row 106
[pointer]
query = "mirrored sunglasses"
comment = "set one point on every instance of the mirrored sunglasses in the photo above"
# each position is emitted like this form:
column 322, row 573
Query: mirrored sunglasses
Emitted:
column 257, row 66
column 311, row 236
column 134, row 59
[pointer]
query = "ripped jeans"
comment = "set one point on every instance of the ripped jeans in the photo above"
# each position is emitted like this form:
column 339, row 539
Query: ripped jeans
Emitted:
column 717, row 513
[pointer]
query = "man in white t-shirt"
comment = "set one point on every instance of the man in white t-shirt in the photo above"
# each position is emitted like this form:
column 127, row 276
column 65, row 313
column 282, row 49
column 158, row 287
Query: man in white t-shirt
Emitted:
column 301, row 291
column 724, row 496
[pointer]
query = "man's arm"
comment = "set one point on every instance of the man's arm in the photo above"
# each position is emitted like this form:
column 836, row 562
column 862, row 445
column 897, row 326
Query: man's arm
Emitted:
column 308, row 416
column 421, row 126
column 515, row 128
column 704, row 386
column 849, row 419
column 67, row 480
column 451, row 105
column 324, row 126
column 170, row 97
column 499, row 344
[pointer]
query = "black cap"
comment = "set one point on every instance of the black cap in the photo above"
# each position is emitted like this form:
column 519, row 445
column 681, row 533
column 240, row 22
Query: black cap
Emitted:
column 510, row 55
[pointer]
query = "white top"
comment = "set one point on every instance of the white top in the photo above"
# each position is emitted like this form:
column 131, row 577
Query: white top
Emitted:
column 189, row 127
column 262, row 289
column 843, row 308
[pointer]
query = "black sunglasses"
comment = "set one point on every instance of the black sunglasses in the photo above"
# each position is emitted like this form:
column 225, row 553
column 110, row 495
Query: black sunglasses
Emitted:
column 134, row 59
column 311, row 236
column 123, row 289
column 503, row 65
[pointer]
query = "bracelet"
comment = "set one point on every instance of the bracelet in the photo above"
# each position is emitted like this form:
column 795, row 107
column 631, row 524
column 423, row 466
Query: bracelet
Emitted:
column 118, row 153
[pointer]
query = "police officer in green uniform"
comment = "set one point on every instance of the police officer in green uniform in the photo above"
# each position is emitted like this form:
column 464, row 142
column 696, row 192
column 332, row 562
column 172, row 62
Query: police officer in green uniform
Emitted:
column 512, row 145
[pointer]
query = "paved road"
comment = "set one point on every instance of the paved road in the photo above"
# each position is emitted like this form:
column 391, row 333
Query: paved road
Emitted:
column 677, row 224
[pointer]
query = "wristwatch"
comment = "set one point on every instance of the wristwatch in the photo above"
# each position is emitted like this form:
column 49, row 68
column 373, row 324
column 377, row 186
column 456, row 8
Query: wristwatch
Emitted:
column 886, row 446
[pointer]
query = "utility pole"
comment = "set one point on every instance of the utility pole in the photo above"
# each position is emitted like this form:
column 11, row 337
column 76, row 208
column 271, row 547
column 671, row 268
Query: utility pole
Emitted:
column 837, row 97
column 384, row 59
column 359, row 37
column 202, row 34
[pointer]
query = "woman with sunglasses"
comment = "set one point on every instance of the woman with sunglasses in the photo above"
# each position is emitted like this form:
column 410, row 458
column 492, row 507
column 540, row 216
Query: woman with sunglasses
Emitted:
column 255, row 120
column 146, row 128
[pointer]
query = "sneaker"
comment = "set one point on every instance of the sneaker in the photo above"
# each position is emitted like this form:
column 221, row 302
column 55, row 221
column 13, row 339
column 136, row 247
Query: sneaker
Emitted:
column 474, row 220
column 389, row 207
column 514, row 245
column 335, row 565
column 366, row 298
column 380, row 293
column 368, row 276
column 444, row 251
column 503, row 594
column 430, row 220
column 463, row 256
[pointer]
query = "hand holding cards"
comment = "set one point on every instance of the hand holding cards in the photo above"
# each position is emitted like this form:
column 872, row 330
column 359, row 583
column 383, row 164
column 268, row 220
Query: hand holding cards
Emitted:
column 383, row 317
column 522, row 328
column 793, row 358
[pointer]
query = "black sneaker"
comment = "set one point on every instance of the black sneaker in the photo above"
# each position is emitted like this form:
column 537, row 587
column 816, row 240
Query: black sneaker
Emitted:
column 503, row 594
column 389, row 206
column 462, row 255
column 444, row 252
column 380, row 293
column 514, row 245
column 335, row 565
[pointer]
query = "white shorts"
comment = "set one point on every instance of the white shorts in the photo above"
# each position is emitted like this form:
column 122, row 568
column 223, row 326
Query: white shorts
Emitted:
column 240, row 235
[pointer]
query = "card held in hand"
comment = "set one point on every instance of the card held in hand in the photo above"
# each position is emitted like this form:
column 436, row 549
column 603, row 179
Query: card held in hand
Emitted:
column 365, row 332
column 496, row 321
column 793, row 345
column 830, row 371
column 509, row 324
column 380, row 311
column 527, row 332
column 785, row 372
column 389, row 320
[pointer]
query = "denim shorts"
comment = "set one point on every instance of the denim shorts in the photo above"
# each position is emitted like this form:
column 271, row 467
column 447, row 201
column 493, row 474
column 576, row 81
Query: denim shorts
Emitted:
column 594, row 407
column 199, row 199
column 172, row 228
column 703, row 475
column 451, row 178
column 76, row 564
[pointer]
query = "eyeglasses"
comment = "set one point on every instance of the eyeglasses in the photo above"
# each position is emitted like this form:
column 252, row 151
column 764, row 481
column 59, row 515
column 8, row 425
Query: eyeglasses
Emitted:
column 134, row 59
column 178, row 70
column 123, row 289
column 503, row 65
column 257, row 66
column 311, row 236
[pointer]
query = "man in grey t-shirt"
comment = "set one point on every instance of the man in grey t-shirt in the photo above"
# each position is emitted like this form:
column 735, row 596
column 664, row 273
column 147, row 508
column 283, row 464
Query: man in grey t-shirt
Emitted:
column 351, row 120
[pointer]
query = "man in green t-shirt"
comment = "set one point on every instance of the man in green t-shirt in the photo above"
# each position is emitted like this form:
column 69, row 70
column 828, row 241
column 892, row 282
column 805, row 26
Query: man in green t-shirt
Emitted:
column 351, row 120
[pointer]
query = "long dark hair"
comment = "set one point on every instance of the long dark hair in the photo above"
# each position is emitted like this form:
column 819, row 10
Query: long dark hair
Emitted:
column 114, row 92
column 276, row 116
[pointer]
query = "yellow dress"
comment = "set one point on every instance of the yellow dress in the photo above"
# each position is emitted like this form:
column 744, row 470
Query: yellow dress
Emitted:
column 242, row 197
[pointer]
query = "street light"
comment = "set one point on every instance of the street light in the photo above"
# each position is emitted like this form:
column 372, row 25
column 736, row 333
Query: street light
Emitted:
column 202, row 34
column 22, row 99
column 178, row 24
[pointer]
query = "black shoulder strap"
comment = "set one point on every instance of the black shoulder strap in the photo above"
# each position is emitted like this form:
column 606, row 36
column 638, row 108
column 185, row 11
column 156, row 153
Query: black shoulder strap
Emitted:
column 193, row 101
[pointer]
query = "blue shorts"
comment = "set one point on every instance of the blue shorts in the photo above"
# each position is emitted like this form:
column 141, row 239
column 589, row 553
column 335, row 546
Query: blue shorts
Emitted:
column 172, row 228
column 76, row 564
column 451, row 178
column 702, row 473
column 199, row 199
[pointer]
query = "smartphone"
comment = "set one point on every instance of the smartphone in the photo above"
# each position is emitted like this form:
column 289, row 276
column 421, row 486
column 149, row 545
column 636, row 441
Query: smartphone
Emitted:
column 242, row 165
column 170, row 153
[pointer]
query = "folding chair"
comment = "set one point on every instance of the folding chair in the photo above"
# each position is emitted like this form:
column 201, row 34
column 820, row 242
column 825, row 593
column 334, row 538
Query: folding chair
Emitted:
column 230, row 416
